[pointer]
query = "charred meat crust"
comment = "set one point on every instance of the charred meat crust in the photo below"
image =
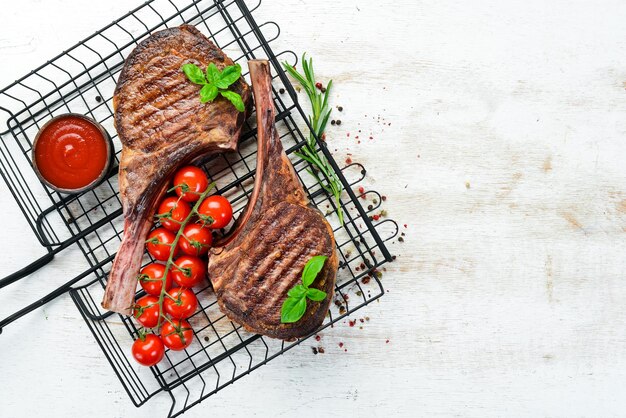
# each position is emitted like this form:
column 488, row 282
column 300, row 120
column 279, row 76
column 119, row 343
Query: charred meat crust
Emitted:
column 253, row 273
column 162, row 126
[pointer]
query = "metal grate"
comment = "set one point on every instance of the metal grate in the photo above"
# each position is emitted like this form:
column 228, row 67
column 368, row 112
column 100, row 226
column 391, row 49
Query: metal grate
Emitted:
column 82, row 80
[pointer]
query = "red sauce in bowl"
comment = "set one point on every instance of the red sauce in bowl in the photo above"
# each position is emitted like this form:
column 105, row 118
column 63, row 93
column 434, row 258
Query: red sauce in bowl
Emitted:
column 71, row 152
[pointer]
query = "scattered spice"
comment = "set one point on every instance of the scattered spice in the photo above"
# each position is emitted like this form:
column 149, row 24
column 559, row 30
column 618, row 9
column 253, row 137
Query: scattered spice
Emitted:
column 340, row 345
column 338, row 121
column 206, row 339
column 281, row 90
column 352, row 322
column 400, row 239
column 348, row 160
column 318, row 85
column 314, row 350
column 370, row 207
column 384, row 198
column 387, row 342
column 332, row 122
column 317, row 338
column 339, row 108
column 342, row 310
column 320, row 350
column 98, row 99
column 376, row 217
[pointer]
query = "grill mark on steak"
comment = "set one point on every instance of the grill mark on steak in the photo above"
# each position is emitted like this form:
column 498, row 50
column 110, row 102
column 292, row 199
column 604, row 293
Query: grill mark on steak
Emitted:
column 277, row 235
column 162, row 126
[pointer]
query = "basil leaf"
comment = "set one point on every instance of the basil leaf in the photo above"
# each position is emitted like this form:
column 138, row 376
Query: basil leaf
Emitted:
column 235, row 99
column 315, row 294
column 229, row 75
column 292, row 310
column 212, row 73
column 194, row 73
column 312, row 268
column 208, row 93
column 298, row 291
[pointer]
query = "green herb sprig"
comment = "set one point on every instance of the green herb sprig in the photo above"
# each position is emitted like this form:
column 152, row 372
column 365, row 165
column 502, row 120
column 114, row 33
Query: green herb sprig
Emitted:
column 295, row 304
column 215, row 82
column 319, row 119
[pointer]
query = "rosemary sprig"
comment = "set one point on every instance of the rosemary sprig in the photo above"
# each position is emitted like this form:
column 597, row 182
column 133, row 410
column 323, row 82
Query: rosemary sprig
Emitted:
column 318, row 120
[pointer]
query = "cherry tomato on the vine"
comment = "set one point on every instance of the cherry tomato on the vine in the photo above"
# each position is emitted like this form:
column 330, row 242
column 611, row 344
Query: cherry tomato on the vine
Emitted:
column 176, row 335
column 148, row 350
column 172, row 212
column 189, row 271
column 146, row 311
column 190, row 182
column 150, row 278
column 159, row 244
column 196, row 240
column 218, row 208
column 181, row 304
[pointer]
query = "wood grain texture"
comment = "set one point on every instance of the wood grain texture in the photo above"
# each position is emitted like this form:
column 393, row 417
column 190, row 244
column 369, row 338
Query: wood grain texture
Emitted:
column 505, row 157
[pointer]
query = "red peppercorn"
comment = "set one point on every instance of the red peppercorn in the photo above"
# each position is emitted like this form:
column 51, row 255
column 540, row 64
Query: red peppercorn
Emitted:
column 376, row 217
column 361, row 189
column 318, row 85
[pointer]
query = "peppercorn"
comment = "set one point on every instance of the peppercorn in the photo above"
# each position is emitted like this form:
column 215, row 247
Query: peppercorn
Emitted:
column 384, row 198
column 98, row 99
column 401, row 239
column 332, row 122
column 323, row 89
column 314, row 350
column 338, row 121
column 339, row 108
column 370, row 207
column 318, row 85
column 376, row 217
column 281, row 90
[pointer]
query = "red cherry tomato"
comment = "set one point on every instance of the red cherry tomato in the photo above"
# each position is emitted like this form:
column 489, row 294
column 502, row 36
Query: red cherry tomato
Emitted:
column 161, row 250
column 190, row 271
column 178, row 211
column 148, row 350
column 176, row 335
column 190, row 182
column 218, row 208
column 146, row 311
column 196, row 240
column 150, row 279
column 182, row 303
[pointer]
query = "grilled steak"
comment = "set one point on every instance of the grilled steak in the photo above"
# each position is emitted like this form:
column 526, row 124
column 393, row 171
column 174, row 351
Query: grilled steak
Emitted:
column 162, row 125
column 277, row 235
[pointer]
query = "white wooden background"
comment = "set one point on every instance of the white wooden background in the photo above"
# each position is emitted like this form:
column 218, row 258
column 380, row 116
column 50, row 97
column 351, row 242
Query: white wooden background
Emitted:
column 505, row 157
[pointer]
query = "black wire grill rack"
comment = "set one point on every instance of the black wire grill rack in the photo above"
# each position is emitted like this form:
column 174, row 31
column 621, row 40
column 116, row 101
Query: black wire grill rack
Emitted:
column 82, row 80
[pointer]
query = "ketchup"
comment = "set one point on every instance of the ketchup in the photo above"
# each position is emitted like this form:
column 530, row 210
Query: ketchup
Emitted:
column 71, row 152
